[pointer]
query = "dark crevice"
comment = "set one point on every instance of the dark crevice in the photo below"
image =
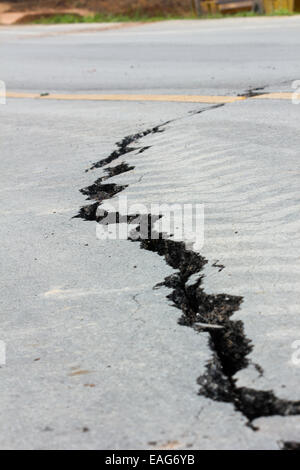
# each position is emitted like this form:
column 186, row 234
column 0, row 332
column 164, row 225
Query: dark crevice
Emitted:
column 229, row 343
column 199, row 310
column 290, row 445
column 251, row 92
column 143, row 149
column 88, row 212
column 123, row 146
column 200, row 111
column 98, row 191
column 256, row 403
column 104, row 217
column 117, row 170
column 220, row 266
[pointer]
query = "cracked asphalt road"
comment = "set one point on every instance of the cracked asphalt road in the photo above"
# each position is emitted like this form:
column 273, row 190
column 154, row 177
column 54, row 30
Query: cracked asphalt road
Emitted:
column 95, row 357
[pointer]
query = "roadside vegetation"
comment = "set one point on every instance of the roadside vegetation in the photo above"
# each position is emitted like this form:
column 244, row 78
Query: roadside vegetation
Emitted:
column 104, row 18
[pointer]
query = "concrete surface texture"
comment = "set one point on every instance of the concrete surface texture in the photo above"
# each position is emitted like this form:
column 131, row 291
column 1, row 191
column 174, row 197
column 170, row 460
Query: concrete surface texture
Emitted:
column 96, row 358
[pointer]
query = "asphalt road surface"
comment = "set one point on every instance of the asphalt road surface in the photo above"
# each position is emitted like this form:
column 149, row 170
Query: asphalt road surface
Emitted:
column 95, row 356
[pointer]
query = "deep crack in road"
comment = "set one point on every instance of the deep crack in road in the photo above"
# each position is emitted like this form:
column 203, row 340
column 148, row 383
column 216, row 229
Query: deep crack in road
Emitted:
column 230, row 347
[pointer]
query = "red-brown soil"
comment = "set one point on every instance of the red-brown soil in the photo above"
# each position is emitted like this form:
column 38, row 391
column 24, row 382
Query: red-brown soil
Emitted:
column 128, row 7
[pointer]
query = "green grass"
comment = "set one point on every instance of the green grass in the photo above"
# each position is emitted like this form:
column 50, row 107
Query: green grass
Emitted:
column 240, row 14
column 248, row 14
column 102, row 18
column 283, row 12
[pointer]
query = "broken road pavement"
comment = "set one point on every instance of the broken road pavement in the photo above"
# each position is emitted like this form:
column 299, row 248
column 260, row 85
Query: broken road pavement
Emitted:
column 95, row 355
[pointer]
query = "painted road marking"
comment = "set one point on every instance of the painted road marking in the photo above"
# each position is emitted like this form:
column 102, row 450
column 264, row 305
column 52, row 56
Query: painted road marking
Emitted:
column 275, row 96
column 163, row 98
column 125, row 97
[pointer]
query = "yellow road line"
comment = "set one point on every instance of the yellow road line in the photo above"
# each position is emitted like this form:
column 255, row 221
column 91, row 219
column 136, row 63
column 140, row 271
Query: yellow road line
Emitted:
column 275, row 96
column 163, row 98
column 99, row 97
column 21, row 95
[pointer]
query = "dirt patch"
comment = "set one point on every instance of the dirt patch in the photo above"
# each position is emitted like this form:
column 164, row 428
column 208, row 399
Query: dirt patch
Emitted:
column 126, row 7
column 4, row 7
column 19, row 17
